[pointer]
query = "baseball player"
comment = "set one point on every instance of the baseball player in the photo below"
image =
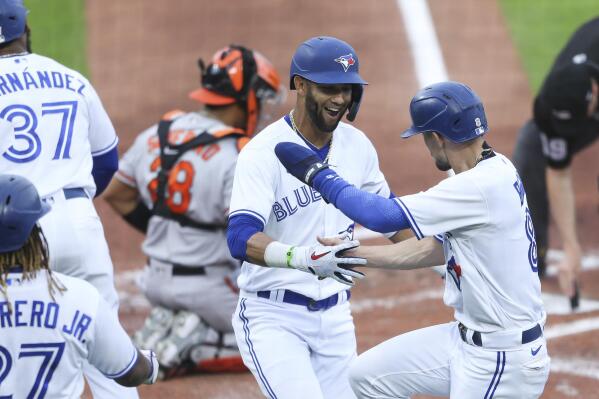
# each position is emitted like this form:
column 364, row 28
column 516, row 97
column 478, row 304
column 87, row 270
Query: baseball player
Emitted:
column 59, row 136
column 293, row 325
column 479, row 224
column 565, row 121
column 51, row 323
column 189, row 278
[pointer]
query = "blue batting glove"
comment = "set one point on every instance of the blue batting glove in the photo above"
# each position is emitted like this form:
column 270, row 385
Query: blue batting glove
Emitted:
column 300, row 161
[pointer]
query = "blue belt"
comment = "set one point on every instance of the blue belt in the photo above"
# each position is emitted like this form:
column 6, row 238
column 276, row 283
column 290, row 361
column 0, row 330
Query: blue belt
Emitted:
column 302, row 300
column 76, row 192
column 527, row 335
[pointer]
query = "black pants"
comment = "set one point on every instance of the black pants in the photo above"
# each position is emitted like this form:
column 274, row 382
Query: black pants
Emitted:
column 530, row 162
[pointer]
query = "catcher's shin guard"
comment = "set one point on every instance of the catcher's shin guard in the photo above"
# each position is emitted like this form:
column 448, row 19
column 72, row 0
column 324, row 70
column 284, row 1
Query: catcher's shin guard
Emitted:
column 188, row 330
column 217, row 354
column 156, row 327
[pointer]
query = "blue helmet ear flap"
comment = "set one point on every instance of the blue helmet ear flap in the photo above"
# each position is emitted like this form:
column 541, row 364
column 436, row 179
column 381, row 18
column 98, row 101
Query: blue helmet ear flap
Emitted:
column 354, row 106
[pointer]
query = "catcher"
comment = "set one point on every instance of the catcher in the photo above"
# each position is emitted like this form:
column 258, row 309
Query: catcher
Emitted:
column 174, row 184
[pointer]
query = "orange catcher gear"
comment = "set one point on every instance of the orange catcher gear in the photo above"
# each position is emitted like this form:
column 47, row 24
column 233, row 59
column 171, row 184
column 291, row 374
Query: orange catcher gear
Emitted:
column 238, row 75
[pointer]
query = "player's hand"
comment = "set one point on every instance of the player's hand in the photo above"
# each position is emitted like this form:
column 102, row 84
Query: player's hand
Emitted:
column 336, row 240
column 328, row 261
column 569, row 268
column 151, row 356
column 300, row 161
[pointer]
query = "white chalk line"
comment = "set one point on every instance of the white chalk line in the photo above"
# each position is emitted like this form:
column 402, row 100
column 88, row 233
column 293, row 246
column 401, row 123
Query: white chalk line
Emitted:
column 422, row 37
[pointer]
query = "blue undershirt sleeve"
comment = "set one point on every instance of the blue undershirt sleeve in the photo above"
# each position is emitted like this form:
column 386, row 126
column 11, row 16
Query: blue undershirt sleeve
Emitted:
column 370, row 210
column 104, row 167
column 240, row 229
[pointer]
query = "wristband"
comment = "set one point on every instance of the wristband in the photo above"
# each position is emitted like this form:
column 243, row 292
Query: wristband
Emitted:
column 278, row 254
column 289, row 256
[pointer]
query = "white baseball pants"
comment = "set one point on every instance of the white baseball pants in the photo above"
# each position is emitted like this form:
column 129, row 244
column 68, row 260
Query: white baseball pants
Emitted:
column 435, row 361
column 295, row 353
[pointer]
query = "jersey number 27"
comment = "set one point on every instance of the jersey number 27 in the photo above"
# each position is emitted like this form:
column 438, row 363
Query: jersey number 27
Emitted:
column 50, row 354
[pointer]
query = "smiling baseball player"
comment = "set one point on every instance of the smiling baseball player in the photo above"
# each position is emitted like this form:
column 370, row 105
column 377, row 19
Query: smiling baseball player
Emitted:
column 483, row 232
column 59, row 136
column 50, row 323
column 293, row 325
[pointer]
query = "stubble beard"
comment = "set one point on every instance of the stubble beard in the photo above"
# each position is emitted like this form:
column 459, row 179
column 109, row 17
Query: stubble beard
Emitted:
column 316, row 116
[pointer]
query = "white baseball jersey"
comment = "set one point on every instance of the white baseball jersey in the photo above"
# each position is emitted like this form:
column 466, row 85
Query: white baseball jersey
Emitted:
column 489, row 245
column 292, row 212
column 58, row 120
column 44, row 343
column 201, row 183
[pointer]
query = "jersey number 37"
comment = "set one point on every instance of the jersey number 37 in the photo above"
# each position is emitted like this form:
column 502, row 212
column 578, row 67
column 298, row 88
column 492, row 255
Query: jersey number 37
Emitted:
column 28, row 139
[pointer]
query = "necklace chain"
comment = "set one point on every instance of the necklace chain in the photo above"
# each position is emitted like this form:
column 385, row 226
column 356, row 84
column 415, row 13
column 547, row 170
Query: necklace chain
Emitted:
column 296, row 130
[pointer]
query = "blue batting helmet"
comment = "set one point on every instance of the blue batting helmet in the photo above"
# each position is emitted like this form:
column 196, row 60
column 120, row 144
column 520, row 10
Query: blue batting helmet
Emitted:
column 20, row 209
column 451, row 109
column 13, row 17
column 327, row 60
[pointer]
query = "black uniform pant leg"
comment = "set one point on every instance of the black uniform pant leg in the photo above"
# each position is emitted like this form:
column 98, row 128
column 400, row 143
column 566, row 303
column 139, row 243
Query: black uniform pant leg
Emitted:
column 530, row 162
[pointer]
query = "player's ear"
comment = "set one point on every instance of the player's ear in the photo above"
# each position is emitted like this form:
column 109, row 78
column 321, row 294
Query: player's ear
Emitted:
column 438, row 138
column 301, row 85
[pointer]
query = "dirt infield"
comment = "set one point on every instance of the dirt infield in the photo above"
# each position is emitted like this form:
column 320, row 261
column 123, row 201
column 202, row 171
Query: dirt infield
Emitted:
column 142, row 59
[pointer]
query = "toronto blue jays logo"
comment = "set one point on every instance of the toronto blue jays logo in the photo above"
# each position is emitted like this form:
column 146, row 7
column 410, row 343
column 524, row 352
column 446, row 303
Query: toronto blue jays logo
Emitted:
column 455, row 271
column 346, row 61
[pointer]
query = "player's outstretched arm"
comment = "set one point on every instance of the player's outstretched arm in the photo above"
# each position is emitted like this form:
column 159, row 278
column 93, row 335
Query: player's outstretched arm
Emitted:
column 145, row 370
column 319, row 260
column 563, row 210
column 370, row 210
column 408, row 254
column 111, row 351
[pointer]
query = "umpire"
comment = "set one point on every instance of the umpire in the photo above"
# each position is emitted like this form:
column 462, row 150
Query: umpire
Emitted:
column 565, row 121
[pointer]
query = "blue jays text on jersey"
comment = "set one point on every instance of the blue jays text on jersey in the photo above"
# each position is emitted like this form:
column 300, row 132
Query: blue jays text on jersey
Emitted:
column 24, row 80
column 289, row 205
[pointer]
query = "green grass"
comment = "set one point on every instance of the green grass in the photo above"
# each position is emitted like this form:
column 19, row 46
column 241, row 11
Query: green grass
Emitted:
column 58, row 31
column 540, row 28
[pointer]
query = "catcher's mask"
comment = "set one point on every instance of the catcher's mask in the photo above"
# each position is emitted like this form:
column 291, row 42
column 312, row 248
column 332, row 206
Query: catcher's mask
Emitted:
column 239, row 75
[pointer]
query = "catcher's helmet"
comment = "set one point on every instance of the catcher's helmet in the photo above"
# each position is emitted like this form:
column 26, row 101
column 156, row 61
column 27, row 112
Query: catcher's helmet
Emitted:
column 451, row 109
column 20, row 209
column 13, row 16
column 238, row 75
column 327, row 60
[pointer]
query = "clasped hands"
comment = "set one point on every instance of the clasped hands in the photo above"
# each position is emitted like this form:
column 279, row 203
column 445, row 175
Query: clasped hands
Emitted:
column 333, row 258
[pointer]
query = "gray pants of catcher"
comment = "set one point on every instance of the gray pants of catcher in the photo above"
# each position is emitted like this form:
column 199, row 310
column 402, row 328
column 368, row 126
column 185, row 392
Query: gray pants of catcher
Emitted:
column 530, row 162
